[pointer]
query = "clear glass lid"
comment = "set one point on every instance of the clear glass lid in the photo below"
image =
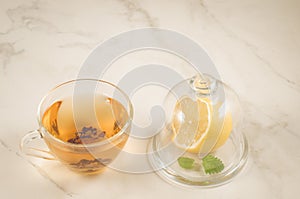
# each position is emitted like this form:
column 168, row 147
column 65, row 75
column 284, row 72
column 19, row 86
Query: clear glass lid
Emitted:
column 202, row 143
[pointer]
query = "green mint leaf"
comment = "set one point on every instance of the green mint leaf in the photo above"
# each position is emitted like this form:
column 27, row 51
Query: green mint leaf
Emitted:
column 186, row 163
column 212, row 164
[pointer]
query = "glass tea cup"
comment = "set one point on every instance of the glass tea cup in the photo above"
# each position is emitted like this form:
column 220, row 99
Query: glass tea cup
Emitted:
column 85, row 124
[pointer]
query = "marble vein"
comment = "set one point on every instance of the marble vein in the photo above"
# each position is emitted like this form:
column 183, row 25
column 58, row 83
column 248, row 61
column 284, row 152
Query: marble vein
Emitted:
column 80, row 33
column 7, row 51
column 133, row 8
column 291, row 84
column 4, row 145
column 47, row 177
column 261, row 154
column 87, row 46
column 267, row 173
column 18, row 17
column 281, row 124
column 27, row 16
column 41, row 171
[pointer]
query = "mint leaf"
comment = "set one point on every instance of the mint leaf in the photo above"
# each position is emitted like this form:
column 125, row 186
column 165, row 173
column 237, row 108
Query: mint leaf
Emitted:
column 186, row 163
column 212, row 164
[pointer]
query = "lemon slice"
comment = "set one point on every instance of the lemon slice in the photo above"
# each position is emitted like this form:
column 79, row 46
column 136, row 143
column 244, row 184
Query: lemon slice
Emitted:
column 222, row 126
column 191, row 123
column 194, row 127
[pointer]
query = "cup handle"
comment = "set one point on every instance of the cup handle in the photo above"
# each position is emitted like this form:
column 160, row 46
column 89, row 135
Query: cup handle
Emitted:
column 27, row 147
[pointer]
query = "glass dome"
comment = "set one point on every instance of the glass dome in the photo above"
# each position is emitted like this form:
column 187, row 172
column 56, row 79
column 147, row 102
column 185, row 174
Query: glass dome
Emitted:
column 202, row 143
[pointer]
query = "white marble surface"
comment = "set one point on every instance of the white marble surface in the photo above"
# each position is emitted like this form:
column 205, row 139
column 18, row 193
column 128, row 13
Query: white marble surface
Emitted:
column 254, row 44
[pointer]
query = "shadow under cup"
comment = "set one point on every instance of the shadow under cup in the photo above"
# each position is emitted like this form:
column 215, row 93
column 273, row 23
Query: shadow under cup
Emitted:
column 85, row 124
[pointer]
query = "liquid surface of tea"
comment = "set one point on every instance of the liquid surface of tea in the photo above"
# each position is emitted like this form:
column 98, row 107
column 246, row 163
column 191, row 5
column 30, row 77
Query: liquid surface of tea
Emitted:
column 82, row 121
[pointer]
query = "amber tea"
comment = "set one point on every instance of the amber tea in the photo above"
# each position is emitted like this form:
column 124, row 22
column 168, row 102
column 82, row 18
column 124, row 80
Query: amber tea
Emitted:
column 86, row 126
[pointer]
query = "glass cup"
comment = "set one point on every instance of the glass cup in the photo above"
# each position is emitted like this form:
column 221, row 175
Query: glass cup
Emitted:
column 85, row 124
